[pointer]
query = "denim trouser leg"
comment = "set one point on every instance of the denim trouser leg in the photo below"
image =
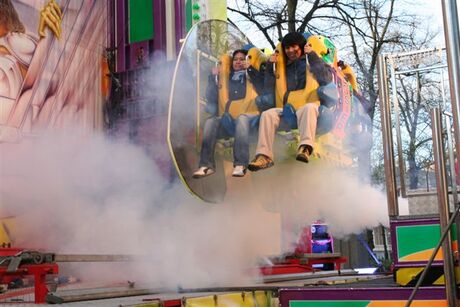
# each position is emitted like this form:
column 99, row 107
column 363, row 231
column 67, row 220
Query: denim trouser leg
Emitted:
column 241, row 144
column 210, row 134
column 265, row 102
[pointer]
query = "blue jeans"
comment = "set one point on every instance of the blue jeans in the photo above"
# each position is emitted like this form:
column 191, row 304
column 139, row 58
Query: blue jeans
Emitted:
column 213, row 130
column 265, row 102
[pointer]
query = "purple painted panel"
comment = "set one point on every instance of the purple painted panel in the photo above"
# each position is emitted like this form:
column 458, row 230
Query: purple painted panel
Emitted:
column 179, row 8
column 111, row 28
column 159, row 21
column 120, row 37
column 133, row 56
column 382, row 293
column 139, row 54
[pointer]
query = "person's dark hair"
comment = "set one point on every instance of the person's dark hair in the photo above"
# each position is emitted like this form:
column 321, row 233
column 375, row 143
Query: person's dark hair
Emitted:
column 9, row 17
column 294, row 38
column 243, row 51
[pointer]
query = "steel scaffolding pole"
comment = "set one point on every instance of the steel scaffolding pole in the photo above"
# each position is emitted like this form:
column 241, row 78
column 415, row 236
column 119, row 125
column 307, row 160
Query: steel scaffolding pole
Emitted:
column 443, row 204
column 388, row 150
column 452, row 36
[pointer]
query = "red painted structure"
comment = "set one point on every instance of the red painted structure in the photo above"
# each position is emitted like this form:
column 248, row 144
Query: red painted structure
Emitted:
column 38, row 271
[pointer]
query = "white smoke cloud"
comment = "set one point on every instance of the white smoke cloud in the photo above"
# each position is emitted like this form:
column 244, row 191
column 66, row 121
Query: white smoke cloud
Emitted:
column 92, row 195
column 95, row 196
column 304, row 193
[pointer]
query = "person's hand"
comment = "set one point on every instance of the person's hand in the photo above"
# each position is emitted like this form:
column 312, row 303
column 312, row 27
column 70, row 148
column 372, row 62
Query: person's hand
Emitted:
column 51, row 17
column 308, row 48
column 245, row 64
column 215, row 70
column 274, row 57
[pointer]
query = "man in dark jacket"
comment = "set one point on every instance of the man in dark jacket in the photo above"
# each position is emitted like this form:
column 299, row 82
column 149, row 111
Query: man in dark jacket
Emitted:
column 306, row 114
column 293, row 45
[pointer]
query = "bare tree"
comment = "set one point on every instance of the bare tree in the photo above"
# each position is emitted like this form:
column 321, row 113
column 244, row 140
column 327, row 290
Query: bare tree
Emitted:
column 415, row 120
column 417, row 91
column 274, row 19
column 364, row 28
column 369, row 25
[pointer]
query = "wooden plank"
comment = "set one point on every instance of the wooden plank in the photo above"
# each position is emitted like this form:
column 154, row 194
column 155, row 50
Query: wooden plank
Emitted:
column 78, row 295
column 96, row 258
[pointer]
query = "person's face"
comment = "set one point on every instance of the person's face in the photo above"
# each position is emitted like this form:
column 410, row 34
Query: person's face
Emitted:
column 238, row 61
column 293, row 52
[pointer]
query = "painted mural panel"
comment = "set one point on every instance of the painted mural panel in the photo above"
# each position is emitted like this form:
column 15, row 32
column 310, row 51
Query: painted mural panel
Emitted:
column 51, row 65
column 417, row 242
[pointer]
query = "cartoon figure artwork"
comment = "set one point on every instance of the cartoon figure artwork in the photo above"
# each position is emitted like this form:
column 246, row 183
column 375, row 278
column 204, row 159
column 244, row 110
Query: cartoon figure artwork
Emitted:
column 38, row 67
column 17, row 49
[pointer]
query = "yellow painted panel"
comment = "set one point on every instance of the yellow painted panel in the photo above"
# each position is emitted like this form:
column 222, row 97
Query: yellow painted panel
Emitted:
column 274, row 302
column 236, row 299
column 422, row 255
column 249, row 300
column 205, row 301
column 230, row 300
column 6, row 229
column 426, row 254
column 149, row 304
column 406, row 275
column 217, row 9
column 440, row 280
column 262, row 298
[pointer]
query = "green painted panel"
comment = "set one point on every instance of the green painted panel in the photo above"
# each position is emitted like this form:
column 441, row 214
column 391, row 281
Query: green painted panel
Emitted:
column 140, row 14
column 417, row 238
column 188, row 15
column 329, row 303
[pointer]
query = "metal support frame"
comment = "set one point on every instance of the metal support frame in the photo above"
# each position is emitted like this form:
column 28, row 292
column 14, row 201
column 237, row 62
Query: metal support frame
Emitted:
column 393, row 61
column 452, row 36
column 402, row 168
column 443, row 203
column 369, row 251
column 451, row 28
column 448, row 124
column 387, row 138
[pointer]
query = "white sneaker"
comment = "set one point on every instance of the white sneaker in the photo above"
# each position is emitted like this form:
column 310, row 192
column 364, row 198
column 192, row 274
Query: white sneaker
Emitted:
column 203, row 172
column 239, row 171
